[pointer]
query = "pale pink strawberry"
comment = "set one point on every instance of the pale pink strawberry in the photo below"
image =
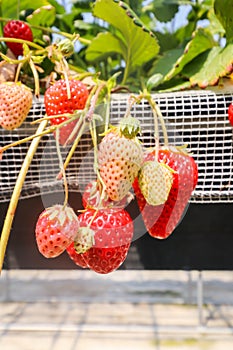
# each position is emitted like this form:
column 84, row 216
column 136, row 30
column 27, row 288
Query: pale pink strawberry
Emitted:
column 56, row 229
column 15, row 103
column 94, row 198
column 120, row 157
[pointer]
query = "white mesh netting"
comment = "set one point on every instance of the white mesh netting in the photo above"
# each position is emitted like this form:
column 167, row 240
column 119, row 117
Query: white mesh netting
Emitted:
column 198, row 118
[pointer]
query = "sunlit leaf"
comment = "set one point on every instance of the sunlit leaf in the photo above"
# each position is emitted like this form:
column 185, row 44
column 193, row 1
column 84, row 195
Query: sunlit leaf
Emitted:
column 224, row 12
column 154, row 81
column 43, row 16
column 164, row 64
column 137, row 45
column 217, row 64
column 202, row 41
column 102, row 46
column 10, row 7
column 58, row 7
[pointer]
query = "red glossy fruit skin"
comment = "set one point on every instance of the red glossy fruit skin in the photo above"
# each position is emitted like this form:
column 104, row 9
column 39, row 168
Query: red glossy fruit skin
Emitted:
column 56, row 103
column 113, row 235
column 230, row 113
column 19, row 30
column 52, row 236
column 160, row 221
column 78, row 259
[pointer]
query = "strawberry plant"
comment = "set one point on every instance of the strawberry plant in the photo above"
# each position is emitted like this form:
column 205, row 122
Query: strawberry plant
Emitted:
column 74, row 57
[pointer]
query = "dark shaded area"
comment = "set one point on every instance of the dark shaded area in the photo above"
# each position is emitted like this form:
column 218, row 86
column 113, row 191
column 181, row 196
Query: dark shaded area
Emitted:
column 202, row 241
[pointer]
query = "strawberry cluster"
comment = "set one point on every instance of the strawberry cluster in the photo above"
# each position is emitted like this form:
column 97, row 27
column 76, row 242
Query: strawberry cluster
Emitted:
column 161, row 179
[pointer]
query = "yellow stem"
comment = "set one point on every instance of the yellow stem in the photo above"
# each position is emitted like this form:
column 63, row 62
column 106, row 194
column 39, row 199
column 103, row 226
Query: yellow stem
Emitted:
column 22, row 41
column 36, row 78
column 73, row 148
column 16, row 194
column 62, row 168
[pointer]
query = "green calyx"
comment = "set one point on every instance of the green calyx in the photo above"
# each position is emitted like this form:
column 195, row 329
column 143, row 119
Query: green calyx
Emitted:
column 66, row 47
column 129, row 127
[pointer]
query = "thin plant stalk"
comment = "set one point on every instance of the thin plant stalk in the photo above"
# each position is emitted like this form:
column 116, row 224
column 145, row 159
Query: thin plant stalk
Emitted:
column 96, row 168
column 16, row 193
column 73, row 148
column 43, row 133
column 62, row 168
column 85, row 121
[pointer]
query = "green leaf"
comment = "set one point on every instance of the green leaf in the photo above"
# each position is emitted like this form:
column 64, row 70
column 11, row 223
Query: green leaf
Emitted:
column 154, row 81
column 224, row 12
column 201, row 42
column 218, row 63
column 163, row 11
column 164, row 64
column 167, row 41
column 10, row 7
column 59, row 8
column 215, row 27
column 43, row 16
column 102, row 46
column 175, row 85
column 137, row 44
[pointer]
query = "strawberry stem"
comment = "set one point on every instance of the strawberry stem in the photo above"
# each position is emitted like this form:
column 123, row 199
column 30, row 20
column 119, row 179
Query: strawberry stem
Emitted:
column 96, row 169
column 131, row 102
column 50, row 130
column 16, row 192
column 65, row 70
column 62, row 168
column 83, row 125
column 84, row 121
column 159, row 114
column 22, row 41
column 36, row 78
column 13, row 61
column 18, row 71
column 92, row 101
column 156, row 130
column 75, row 130
column 157, row 111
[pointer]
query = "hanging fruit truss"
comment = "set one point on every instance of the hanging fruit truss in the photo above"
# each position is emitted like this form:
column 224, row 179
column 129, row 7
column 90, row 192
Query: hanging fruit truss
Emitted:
column 73, row 131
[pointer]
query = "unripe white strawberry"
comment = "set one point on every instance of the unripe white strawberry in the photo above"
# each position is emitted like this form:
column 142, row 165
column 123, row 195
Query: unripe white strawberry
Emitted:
column 155, row 181
column 84, row 240
column 119, row 160
column 15, row 103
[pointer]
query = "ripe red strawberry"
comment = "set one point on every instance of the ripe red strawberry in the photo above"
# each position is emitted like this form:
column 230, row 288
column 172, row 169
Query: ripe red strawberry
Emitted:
column 230, row 114
column 18, row 30
column 120, row 157
column 56, row 103
column 113, row 230
column 56, row 229
column 77, row 258
column 15, row 103
column 161, row 220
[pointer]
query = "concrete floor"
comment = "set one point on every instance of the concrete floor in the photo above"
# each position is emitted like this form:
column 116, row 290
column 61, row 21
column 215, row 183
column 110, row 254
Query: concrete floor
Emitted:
column 80, row 310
